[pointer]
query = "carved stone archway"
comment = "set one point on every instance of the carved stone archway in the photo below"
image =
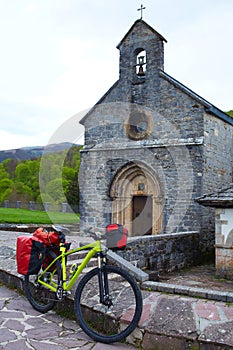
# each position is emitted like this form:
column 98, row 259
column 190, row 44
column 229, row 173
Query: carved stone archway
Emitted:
column 137, row 200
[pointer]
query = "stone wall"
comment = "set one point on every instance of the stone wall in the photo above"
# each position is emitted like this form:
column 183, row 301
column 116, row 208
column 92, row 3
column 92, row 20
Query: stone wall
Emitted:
column 218, row 153
column 178, row 179
column 217, row 169
column 163, row 253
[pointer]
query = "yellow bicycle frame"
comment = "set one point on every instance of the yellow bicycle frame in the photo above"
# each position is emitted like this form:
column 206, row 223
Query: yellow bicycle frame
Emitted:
column 94, row 248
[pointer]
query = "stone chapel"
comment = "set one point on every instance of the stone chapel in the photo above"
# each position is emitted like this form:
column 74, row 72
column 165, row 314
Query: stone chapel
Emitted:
column 152, row 146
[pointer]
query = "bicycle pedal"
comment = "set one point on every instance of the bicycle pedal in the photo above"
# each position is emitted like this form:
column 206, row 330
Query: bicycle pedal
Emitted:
column 66, row 292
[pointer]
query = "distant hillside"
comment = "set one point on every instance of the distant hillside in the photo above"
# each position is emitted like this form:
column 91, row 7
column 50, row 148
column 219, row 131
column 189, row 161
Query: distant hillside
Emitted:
column 26, row 153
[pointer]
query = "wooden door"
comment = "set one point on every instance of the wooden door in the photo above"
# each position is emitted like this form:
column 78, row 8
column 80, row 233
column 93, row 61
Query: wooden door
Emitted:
column 142, row 215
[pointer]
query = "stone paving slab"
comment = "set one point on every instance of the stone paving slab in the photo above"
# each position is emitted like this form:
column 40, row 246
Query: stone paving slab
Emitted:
column 178, row 322
column 169, row 321
column 21, row 327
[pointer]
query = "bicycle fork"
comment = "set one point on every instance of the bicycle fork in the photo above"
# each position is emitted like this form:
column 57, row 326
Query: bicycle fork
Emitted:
column 103, row 282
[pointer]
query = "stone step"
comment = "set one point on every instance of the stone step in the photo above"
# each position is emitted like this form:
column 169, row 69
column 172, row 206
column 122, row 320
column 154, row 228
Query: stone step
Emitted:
column 188, row 290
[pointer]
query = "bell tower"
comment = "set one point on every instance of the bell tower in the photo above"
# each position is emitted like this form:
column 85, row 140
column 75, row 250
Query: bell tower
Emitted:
column 141, row 53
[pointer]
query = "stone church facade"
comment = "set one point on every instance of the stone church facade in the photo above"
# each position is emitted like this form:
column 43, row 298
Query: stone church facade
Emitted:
column 152, row 146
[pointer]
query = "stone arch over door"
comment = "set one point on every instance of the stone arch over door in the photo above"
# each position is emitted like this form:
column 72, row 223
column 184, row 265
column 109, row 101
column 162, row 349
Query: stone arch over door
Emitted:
column 137, row 200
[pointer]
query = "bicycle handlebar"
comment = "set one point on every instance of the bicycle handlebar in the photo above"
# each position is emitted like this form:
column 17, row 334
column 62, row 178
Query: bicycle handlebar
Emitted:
column 90, row 231
column 61, row 229
column 93, row 234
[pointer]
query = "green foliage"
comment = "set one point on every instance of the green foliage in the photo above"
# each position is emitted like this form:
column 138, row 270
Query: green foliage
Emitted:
column 3, row 172
column 55, row 190
column 22, row 172
column 51, row 178
column 5, row 188
column 68, row 173
column 10, row 165
column 46, row 198
column 19, row 192
column 72, row 159
column 230, row 113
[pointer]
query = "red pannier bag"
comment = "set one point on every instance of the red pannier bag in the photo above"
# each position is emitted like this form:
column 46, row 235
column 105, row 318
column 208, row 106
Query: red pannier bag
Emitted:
column 51, row 241
column 30, row 253
column 116, row 236
column 48, row 238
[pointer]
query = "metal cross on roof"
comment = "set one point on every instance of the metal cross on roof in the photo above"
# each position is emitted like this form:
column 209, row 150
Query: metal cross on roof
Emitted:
column 141, row 9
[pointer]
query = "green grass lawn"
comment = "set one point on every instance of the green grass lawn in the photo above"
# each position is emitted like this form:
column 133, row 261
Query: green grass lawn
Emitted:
column 24, row 216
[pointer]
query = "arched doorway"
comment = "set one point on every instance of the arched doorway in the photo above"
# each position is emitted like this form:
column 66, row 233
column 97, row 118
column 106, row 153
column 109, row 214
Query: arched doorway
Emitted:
column 137, row 200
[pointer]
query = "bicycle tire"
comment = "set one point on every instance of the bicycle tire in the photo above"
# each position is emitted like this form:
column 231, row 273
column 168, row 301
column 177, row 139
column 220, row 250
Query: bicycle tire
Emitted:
column 101, row 323
column 38, row 296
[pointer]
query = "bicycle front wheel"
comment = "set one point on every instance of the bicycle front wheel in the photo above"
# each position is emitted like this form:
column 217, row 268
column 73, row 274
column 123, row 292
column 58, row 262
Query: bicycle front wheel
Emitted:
column 118, row 314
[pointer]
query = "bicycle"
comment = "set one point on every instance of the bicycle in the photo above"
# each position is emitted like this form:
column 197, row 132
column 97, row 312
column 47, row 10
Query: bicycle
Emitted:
column 105, row 297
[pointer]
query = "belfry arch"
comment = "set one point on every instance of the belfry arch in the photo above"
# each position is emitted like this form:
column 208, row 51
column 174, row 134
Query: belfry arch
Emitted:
column 137, row 200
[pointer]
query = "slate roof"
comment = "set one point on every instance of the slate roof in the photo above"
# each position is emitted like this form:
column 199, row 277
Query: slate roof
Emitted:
column 220, row 199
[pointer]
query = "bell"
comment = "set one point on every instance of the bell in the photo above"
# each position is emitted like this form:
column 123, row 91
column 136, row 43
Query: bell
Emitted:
column 140, row 71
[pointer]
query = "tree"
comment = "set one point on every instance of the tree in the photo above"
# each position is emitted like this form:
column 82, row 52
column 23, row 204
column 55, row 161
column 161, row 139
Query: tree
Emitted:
column 68, row 173
column 26, row 173
column 72, row 193
column 5, row 188
column 55, row 190
column 230, row 113
column 22, row 173
column 72, row 159
column 51, row 178
column 20, row 192
column 10, row 165
column 3, row 173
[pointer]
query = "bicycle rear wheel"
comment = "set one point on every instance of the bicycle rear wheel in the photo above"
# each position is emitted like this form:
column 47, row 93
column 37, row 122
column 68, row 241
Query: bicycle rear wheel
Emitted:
column 38, row 296
column 121, row 313
column 41, row 298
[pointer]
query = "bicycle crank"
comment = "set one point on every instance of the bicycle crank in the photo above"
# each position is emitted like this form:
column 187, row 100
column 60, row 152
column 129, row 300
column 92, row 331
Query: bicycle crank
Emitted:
column 61, row 293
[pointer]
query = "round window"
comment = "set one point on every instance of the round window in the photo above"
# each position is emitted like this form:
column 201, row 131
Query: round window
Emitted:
column 138, row 125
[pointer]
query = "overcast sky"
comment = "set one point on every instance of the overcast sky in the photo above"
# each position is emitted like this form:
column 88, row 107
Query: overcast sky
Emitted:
column 58, row 57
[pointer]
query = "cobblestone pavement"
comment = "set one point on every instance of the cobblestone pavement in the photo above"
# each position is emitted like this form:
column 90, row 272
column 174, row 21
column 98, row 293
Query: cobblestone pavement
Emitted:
column 203, row 276
column 23, row 328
